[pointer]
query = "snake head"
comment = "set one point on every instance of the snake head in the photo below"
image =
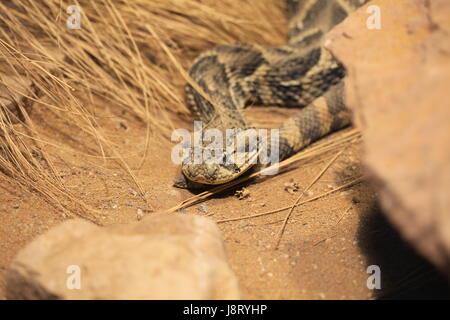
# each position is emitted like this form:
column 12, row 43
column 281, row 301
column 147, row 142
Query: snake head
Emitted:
column 222, row 160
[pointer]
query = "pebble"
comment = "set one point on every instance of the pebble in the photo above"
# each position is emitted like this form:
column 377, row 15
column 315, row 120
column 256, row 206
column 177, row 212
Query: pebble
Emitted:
column 132, row 192
column 203, row 208
column 243, row 223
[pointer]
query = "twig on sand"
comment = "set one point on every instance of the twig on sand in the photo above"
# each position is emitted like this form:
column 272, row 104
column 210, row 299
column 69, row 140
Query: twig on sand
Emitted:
column 349, row 184
column 286, row 219
column 334, row 235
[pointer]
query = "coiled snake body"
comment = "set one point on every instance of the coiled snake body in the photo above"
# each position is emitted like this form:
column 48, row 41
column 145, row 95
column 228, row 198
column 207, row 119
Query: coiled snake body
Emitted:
column 301, row 74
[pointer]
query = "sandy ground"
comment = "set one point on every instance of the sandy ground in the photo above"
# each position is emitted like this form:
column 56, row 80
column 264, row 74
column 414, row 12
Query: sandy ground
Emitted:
column 324, row 252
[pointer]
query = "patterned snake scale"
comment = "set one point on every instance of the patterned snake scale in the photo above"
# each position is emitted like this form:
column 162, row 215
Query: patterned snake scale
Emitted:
column 300, row 74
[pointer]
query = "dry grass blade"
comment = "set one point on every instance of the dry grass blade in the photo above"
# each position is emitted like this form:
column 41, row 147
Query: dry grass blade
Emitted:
column 342, row 187
column 286, row 219
column 113, row 60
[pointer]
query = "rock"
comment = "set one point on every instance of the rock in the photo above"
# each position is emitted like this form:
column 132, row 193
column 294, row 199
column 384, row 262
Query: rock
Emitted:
column 398, row 86
column 165, row 256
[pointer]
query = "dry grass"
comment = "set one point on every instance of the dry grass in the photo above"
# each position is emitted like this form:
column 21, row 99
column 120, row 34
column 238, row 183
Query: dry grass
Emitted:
column 118, row 58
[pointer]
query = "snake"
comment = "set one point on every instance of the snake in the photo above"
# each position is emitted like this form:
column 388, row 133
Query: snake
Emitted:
column 303, row 74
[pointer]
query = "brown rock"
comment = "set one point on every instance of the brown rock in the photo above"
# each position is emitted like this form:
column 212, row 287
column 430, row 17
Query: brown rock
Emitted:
column 398, row 85
column 166, row 256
